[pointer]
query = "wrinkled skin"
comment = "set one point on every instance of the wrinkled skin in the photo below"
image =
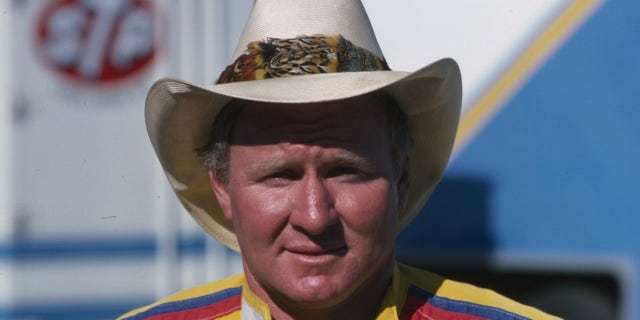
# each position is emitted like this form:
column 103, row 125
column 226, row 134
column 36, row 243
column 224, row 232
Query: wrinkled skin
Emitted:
column 315, row 205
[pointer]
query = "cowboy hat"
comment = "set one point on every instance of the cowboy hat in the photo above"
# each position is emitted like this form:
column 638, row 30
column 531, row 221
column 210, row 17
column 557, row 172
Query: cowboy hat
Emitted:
column 301, row 51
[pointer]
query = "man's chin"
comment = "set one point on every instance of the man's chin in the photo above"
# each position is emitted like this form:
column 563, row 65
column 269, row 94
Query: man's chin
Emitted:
column 316, row 292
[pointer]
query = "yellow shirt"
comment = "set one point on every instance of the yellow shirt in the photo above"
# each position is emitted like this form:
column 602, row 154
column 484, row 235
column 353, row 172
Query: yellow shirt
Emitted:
column 413, row 294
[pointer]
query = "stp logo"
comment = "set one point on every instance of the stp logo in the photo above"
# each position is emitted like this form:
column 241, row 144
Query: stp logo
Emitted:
column 96, row 41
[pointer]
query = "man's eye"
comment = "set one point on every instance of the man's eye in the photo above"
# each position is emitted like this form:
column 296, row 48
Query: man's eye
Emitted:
column 282, row 175
column 345, row 171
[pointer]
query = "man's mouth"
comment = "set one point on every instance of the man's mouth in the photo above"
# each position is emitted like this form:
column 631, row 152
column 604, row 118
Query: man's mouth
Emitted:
column 315, row 254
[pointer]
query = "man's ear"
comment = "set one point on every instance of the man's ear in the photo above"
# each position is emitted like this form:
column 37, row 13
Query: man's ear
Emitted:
column 402, row 185
column 221, row 194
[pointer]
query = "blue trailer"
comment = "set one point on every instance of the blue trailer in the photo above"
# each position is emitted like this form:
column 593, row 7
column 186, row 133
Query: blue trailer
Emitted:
column 543, row 202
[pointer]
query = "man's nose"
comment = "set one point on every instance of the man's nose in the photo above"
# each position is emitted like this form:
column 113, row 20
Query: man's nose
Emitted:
column 314, row 207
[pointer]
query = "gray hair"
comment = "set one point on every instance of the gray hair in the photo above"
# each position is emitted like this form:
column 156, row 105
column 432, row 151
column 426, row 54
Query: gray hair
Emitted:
column 216, row 153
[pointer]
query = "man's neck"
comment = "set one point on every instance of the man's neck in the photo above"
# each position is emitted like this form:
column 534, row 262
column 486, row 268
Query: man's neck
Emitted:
column 363, row 303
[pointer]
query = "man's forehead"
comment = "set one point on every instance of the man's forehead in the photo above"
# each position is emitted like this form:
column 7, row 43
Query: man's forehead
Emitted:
column 351, row 119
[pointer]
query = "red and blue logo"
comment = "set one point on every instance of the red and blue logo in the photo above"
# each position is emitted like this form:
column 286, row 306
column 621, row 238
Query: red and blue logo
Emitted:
column 96, row 41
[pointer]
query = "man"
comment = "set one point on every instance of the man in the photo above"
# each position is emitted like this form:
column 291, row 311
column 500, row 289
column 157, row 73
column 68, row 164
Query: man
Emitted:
column 316, row 155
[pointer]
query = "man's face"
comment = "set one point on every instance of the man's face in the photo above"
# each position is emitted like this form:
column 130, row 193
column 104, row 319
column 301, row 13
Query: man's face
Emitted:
column 313, row 199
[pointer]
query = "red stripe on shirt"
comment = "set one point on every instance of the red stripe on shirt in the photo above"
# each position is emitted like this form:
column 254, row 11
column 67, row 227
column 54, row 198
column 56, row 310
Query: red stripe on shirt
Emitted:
column 218, row 309
column 416, row 308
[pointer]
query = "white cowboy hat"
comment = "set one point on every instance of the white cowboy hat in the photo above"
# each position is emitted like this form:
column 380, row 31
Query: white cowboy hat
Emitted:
column 337, row 57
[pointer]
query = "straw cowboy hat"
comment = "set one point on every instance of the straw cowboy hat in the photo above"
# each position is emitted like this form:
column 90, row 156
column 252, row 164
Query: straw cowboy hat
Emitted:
column 301, row 51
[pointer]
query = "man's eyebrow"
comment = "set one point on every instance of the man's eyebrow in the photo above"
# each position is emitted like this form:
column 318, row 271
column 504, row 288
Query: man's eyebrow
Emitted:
column 353, row 159
column 268, row 165
column 342, row 158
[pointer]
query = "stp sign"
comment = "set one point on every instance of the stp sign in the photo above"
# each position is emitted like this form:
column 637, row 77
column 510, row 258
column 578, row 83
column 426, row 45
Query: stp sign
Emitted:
column 97, row 41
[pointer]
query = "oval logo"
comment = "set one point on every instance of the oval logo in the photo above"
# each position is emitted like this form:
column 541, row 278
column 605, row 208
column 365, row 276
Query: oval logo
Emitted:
column 96, row 41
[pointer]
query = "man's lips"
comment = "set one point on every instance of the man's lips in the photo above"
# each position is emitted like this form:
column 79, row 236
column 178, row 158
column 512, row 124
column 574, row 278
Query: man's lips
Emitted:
column 316, row 251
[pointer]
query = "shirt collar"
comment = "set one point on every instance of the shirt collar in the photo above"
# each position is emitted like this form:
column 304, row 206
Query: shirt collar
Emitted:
column 253, row 308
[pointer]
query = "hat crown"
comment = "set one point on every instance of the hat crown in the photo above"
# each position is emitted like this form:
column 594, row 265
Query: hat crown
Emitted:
column 293, row 18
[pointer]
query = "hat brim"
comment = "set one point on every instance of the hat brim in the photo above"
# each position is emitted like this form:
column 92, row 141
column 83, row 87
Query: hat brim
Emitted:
column 180, row 115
